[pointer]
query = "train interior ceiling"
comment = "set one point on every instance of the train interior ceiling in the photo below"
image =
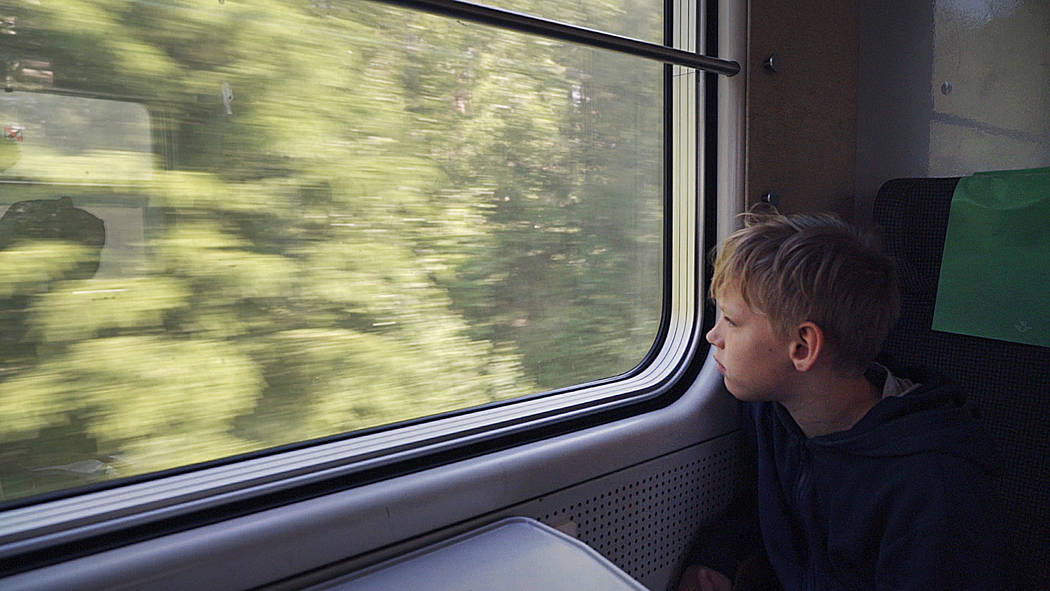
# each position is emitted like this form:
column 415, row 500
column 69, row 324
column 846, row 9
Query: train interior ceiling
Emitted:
column 510, row 276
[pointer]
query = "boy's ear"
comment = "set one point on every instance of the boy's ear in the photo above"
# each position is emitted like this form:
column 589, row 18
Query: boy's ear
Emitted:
column 806, row 346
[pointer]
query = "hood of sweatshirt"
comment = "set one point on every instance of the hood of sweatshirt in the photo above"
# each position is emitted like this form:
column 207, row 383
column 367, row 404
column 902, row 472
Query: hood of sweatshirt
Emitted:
column 935, row 417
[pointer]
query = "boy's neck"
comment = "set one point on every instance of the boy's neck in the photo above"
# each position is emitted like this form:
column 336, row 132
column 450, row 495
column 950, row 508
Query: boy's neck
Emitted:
column 828, row 403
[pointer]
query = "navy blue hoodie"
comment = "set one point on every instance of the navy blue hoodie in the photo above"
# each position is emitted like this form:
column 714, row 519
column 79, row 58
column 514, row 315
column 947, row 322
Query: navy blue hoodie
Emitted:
column 902, row 500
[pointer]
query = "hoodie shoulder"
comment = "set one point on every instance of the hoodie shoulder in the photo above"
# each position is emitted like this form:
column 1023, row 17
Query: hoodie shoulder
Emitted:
column 934, row 418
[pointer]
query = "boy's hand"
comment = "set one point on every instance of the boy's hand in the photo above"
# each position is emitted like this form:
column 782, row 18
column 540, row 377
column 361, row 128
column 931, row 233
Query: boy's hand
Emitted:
column 701, row 578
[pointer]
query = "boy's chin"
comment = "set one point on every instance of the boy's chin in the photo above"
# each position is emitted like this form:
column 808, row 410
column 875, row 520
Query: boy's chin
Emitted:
column 745, row 395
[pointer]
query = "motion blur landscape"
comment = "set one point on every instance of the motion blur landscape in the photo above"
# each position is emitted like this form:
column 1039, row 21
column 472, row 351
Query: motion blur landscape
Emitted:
column 229, row 226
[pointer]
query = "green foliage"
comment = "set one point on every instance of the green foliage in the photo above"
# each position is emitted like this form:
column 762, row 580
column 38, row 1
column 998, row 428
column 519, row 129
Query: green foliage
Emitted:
column 27, row 267
column 364, row 215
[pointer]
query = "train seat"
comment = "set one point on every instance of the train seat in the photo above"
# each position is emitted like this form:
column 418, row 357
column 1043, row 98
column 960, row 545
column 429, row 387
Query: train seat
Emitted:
column 1009, row 382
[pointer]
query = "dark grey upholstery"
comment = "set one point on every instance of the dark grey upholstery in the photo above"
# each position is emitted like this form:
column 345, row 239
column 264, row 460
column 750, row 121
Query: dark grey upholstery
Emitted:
column 1009, row 382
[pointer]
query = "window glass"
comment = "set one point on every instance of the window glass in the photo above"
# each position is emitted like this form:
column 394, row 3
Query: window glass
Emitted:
column 639, row 19
column 241, row 225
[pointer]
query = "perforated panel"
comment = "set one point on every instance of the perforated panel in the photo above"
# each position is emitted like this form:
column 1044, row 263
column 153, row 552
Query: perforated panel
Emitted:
column 643, row 519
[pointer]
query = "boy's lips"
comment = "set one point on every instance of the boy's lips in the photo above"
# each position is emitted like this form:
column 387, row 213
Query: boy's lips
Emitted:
column 721, row 368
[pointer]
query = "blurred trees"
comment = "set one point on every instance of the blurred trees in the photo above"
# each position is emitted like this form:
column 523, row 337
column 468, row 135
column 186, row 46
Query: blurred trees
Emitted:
column 354, row 215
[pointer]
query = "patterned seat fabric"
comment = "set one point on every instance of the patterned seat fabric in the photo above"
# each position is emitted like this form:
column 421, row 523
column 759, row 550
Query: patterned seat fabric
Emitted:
column 1009, row 382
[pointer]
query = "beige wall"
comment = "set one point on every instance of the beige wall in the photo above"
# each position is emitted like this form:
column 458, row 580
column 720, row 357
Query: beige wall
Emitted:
column 995, row 54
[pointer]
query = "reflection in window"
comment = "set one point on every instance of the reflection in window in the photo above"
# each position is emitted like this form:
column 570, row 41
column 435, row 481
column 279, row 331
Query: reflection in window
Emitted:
column 307, row 220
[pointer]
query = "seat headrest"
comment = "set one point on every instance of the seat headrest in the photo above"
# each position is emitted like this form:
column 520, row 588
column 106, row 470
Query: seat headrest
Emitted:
column 912, row 215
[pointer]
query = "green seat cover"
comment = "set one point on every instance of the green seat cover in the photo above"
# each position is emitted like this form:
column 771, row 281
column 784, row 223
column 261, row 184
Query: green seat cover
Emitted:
column 995, row 274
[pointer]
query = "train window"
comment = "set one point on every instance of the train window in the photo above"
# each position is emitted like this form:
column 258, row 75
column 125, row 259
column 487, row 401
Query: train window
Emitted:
column 234, row 227
column 640, row 20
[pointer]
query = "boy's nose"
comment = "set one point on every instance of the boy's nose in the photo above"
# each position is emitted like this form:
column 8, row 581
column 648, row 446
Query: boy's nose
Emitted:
column 713, row 337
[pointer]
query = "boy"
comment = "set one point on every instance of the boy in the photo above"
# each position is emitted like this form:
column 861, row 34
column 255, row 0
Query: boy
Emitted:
column 866, row 479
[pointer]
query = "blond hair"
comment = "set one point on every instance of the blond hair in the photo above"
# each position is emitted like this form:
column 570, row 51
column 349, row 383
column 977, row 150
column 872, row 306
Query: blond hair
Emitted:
column 816, row 268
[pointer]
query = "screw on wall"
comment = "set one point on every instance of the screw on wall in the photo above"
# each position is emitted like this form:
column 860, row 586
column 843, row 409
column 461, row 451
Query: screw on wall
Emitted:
column 772, row 63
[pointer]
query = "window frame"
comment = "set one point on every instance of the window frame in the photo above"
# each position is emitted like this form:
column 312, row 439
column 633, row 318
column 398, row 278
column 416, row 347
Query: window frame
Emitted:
column 49, row 528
